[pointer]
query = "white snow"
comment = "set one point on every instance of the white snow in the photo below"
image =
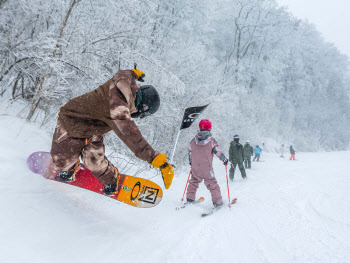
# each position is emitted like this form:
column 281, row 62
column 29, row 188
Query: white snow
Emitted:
column 287, row 211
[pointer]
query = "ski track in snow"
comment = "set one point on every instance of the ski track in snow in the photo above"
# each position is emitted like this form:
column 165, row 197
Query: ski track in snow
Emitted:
column 286, row 212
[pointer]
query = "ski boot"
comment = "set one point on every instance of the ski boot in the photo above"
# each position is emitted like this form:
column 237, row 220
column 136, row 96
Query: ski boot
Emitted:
column 218, row 206
column 189, row 202
column 110, row 189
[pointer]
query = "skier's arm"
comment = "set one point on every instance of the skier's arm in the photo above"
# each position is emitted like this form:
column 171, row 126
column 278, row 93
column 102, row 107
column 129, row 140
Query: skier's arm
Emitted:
column 190, row 154
column 217, row 151
column 230, row 153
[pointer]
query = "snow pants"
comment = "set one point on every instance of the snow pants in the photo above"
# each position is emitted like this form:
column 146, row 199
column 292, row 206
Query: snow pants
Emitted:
column 211, row 184
column 66, row 150
column 241, row 169
column 257, row 157
column 247, row 162
column 292, row 157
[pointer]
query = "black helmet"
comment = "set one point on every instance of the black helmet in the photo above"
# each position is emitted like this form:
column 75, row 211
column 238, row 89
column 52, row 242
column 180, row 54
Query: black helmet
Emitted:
column 147, row 102
column 236, row 138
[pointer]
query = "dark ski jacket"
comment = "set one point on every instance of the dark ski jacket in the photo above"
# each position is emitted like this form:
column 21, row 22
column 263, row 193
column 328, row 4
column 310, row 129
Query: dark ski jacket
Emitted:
column 291, row 150
column 248, row 150
column 236, row 152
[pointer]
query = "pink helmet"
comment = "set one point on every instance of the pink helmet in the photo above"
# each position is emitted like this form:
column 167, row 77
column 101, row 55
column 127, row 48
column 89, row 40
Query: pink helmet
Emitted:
column 205, row 125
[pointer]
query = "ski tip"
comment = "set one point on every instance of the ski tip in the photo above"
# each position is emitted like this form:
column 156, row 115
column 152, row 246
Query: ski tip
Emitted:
column 207, row 214
column 201, row 199
column 234, row 200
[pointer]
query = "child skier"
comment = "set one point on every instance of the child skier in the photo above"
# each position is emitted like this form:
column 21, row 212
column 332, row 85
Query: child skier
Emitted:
column 84, row 119
column 201, row 150
column 282, row 151
column 292, row 153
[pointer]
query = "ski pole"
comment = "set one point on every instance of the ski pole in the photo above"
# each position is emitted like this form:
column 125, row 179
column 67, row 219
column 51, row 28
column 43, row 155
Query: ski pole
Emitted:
column 186, row 185
column 228, row 189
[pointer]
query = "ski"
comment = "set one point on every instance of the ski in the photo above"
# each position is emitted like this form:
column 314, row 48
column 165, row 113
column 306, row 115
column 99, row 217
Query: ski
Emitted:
column 234, row 200
column 199, row 200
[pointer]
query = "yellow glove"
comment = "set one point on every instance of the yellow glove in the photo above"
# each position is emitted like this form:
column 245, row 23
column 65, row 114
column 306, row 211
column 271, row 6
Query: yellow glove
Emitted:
column 140, row 74
column 167, row 170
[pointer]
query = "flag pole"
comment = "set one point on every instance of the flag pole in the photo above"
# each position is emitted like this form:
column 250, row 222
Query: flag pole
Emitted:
column 172, row 154
column 177, row 138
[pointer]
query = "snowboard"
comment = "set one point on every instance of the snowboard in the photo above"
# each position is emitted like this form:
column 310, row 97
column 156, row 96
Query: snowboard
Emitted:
column 131, row 190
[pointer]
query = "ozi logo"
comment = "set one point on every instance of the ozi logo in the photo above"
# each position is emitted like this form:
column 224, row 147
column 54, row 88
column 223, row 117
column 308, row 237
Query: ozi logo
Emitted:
column 125, row 188
column 144, row 193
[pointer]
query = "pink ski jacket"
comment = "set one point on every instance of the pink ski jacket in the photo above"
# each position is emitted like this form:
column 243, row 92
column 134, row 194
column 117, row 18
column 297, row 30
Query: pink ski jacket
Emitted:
column 201, row 150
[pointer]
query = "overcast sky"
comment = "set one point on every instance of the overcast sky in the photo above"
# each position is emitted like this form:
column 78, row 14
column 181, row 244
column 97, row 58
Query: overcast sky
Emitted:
column 331, row 17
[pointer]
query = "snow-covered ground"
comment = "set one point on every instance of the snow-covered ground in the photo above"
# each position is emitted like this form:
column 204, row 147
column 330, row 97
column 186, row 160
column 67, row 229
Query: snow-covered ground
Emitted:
column 287, row 211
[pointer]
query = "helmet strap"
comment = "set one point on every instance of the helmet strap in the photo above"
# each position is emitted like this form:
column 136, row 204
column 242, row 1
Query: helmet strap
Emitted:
column 138, row 99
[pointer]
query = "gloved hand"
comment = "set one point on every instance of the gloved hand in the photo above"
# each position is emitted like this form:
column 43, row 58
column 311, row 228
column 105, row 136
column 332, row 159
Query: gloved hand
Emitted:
column 140, row 74
column 226, row 161
column 167, row 169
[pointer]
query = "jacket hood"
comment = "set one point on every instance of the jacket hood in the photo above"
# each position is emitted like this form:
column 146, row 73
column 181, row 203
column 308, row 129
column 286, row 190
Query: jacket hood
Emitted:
column 202, row 137
column 125, row 82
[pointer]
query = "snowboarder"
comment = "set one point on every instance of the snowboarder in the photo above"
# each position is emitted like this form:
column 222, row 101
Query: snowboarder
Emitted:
column 83, row 121
column 200, row 151
column 248, row 153
column 236, row 157
column 282, row 151
column 292, row 153
column 257, row 152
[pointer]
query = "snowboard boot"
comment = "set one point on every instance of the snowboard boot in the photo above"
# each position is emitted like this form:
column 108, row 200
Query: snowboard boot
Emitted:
column 110, row 189
column 67, row 176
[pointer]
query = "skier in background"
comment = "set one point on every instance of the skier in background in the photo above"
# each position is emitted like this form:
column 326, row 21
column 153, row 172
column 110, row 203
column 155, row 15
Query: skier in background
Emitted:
column 257, row 152
column 282, row 151
column 236, row 157
column 292, row 153
column 83, row 121
column 201, row 150
column 248, row 153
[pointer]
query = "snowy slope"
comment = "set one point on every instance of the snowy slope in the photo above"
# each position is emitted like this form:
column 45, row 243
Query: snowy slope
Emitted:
column 287, row 211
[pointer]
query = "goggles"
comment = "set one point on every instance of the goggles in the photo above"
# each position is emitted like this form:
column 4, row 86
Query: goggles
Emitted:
column 144, row 111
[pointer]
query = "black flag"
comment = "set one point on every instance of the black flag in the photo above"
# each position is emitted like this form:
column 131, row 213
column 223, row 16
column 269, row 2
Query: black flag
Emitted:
column 191, row 115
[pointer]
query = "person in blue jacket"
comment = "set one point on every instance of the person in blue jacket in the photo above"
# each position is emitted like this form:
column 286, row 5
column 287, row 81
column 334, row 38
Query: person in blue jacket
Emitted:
column 257, row 151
